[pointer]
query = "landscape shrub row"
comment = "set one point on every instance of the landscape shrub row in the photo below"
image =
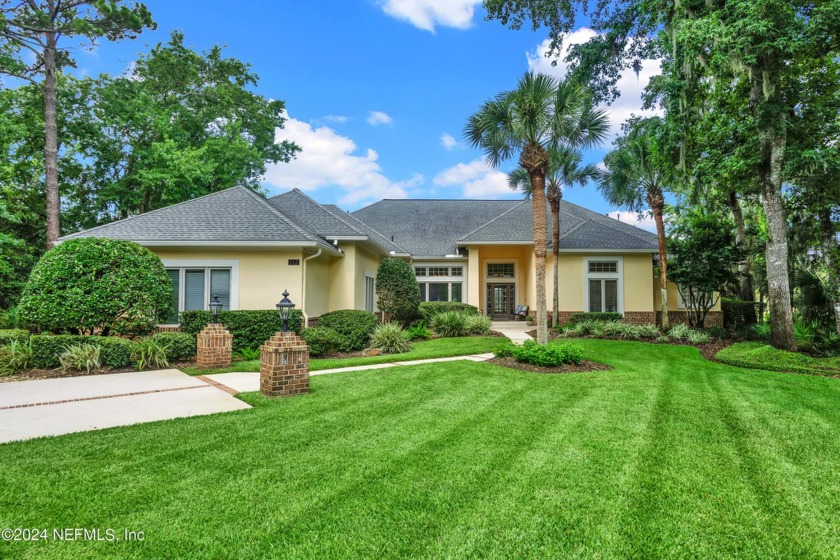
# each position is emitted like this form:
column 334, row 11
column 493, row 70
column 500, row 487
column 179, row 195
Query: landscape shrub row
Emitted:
column 451, row 324
column 250, row 328
column 593, row 316
column 609, row 329
column 428, row 309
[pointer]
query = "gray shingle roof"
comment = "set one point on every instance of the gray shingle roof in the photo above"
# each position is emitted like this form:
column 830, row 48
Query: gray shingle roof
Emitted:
column 233, row 215
column 374, row 235
column 430, row 227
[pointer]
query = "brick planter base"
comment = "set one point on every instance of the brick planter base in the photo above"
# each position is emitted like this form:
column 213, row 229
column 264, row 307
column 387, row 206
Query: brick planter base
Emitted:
column 215, row 345
column 284, row 366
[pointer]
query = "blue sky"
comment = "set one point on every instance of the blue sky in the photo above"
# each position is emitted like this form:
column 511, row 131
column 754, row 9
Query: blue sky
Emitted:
column 377, row 91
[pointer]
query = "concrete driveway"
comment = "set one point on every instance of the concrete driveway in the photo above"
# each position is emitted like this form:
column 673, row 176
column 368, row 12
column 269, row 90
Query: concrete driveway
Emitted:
column 51, row 407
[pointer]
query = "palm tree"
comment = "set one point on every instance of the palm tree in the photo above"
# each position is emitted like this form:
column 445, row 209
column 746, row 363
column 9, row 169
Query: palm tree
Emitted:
column 636, row 179
column 564, row 169
column 540, row 113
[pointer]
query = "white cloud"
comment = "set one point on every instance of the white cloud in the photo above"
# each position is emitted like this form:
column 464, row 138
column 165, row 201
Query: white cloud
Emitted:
column 630, row 85
column 329, row 159
column 425, row 14
column 375, row 118
column 340, row 119
column 478, row 179
column 632, row 218
column 449, row 141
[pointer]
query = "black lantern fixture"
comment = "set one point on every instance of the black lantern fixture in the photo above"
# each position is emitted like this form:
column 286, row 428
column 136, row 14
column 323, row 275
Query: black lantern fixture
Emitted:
column 215, row 307
column 284, row 309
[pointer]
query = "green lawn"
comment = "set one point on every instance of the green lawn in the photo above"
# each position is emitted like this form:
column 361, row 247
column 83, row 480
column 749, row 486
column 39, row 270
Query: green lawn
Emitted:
column 667, row 455
column 759, row 355
column 424, row 349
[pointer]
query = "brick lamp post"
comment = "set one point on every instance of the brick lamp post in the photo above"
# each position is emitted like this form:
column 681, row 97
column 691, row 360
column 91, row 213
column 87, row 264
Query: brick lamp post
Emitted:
column 215, row 343
column 284, row 358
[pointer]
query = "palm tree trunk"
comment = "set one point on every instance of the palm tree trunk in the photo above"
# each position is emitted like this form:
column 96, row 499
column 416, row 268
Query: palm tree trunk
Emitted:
column 540, row 243
column 554, row 203
column 828, row 234
column 746, row 291
column 657, row 204
column 51, row 142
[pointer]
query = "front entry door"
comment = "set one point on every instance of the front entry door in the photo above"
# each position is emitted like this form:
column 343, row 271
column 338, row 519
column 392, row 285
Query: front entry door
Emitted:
column 500, row 300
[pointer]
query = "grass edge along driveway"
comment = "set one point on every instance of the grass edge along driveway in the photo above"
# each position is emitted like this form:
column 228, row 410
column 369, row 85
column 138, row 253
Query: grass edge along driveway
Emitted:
column 666, row 455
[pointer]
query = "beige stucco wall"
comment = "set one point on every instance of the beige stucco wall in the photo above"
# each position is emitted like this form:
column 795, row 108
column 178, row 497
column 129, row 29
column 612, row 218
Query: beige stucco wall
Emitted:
column 263, row 275
column 638, row 282
column 366, row 264
column 317, row 282
column 673, row 299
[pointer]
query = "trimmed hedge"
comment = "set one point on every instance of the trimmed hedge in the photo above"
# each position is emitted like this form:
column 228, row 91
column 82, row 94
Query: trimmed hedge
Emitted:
column 178, row 345
column 588, row 317
column 543, row 355
column 738, row 314
column 430, row 308
column 757, row 355
column 353, row 326
column 9, row 335
column 47, row 348
column 250, row 329
column 321, row 340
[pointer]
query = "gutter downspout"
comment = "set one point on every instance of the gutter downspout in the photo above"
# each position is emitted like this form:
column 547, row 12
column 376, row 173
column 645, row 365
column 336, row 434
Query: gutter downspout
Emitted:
column 303, row 288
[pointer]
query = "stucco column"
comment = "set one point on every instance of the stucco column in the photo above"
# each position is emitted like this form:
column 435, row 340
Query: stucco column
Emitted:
column 473, row 277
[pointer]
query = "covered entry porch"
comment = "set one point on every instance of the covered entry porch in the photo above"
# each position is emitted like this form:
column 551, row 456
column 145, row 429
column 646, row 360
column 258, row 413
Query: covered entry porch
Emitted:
column 501, row 277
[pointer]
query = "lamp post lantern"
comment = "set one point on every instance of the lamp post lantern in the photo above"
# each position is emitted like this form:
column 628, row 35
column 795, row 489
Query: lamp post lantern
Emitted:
column 284, row 309
column 215, row 307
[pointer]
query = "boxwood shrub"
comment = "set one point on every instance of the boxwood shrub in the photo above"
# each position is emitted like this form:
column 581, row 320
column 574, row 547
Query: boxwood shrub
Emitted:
column 430, row 308
column 250, row 329
column 353, row 326
column 9, row 335
column 321, row 340
column 178, row 345
column 47, row 349
column 588, row 317
column 547, row 355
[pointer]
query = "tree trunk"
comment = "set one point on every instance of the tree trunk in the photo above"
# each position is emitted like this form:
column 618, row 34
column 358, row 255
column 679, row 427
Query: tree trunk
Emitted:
column 657, row 204
column 534, row 160
column 554, row 204
column 828, row 235
column 746, row 292
column 51, row 142
column 776, row 254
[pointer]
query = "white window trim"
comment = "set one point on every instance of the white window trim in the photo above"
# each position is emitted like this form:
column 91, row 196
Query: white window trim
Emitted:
column 587, row 276
column 232, row 264
column 372, row 276
column 443, row 279
column 681, row 303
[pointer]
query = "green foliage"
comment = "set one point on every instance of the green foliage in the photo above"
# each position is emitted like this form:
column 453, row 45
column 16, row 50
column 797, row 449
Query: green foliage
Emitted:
column 761, row 330
column 758, row 355
column 149, row 354
column 11, row 335
column 592, row 316
column 354, row 327
column 322, row 341
column 114, row 352
column 548, row 355
column 250, row 329
column 430, row 308
column 397, row 290
column 418, row 331
column 737, row 313
column 697, row 337
column 600, row 327
column 449, row 324
column 81, row 357
column 89, row 284
column 477, row 324
column 178, row 345
column 506, row 350
column 247, row 355
column 10, row 318
column 679, row 331
column 390, row 338
column 15, row 356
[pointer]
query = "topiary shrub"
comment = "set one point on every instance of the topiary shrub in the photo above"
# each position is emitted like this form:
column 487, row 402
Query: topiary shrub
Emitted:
column 321, row 340
column 390, row 338
column 8, row 336
column 589, row 317
column 250, row 329
column 430, row 308
column 397, row 290
column 178, row 345
column 89, row 284
column 353, row 326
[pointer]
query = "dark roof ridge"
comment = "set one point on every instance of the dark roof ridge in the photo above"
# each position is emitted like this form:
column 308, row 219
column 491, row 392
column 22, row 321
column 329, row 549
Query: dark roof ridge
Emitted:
column 509, row 210
column 374, row 230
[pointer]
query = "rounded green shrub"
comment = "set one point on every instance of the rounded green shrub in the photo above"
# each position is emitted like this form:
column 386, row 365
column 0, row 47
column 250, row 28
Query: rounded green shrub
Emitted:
column 390, row 338
column 477, row 324
column 397, row 290
column 321, row 340
column 449, row 324
column 548, row 355
column 178, row 345
column 88, row 285
column 353, row 326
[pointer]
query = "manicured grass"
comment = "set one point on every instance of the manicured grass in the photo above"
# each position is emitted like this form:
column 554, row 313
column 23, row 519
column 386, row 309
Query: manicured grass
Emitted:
column 758, row 355
column 665, row 456
column 421, row 350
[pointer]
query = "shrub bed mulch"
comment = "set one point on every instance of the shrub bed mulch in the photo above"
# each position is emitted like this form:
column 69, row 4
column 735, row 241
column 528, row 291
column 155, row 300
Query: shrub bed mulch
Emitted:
column 33, row 374
column 584, row 366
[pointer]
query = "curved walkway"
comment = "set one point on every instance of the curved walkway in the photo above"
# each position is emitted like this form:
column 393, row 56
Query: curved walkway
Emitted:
column 516, row 331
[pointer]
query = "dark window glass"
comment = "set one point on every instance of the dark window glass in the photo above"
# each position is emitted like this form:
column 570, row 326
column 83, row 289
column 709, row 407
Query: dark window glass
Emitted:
column 175, row 277
column 595, row 296
column 603, row 266
column 456, row 291
column 423, row 291
column 611, row 296
column 500, row 270
column 438, row 292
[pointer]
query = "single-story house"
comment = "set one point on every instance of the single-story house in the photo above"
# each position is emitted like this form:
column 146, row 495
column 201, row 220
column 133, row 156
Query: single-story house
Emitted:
column 247, row 249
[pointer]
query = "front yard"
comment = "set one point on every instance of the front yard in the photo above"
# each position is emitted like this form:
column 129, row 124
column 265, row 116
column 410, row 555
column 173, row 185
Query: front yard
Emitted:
column 666, row 455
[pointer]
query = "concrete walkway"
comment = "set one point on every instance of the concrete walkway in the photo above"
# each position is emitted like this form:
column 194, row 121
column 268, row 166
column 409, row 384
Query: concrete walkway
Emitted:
column 51, row 407
column 514, row 330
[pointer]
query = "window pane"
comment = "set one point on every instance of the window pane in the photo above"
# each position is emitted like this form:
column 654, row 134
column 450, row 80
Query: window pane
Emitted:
column 420, row 271
column 220, row 286
column 438, row 292
column 423, row 291
column 603, row 266
column 456, row 291
column 457, row 271
column 194, row 290
column 370, row 289
column 500, row 270
column 438, row 271
column 175, row 277
column 595, row 296
column 611, row 296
